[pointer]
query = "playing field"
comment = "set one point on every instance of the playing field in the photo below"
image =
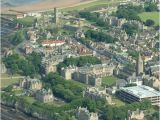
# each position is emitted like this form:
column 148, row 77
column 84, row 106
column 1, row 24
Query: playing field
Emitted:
column 150, row 15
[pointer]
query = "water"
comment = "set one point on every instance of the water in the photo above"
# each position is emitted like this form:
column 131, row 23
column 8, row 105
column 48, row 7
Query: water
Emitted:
column 18, row 2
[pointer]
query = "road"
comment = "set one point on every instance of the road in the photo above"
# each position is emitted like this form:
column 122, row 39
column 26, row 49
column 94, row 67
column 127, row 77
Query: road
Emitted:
column 7, row 113
column 19, row 77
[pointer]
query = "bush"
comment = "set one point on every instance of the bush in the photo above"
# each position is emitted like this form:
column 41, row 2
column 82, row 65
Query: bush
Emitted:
column 149, row 22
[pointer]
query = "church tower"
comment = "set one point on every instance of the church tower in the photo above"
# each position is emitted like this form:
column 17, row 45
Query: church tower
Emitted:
column 55, row 15
column 139, row 65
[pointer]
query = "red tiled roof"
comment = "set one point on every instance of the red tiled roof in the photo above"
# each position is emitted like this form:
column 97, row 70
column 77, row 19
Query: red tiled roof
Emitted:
column 52, row 41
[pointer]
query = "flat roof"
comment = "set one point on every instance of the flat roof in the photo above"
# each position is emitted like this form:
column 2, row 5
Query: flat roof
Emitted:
column 141, row 91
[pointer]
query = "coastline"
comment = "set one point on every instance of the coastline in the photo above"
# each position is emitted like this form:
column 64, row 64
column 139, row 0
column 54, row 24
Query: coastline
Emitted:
column 46, row 5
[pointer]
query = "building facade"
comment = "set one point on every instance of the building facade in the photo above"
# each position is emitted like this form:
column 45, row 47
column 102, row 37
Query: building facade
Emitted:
column 84, row 114
column 32, row 84
column 45, row 96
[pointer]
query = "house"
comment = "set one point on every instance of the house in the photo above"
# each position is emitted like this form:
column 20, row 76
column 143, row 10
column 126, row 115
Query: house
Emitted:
column 45, row 96
column 84, row 114
column 97, row 93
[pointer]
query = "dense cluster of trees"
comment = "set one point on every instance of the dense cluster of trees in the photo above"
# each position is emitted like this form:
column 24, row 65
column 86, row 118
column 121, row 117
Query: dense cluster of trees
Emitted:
column 18, row 37
column 99, row 36
column 130, row 29
column 119, row 113
column 129, row 12
column 28, row 67
column 94, row 17
column 150, row 7
column 79, row 61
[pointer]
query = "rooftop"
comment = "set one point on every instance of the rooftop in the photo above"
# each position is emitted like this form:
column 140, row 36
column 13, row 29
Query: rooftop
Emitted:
column 141, row 91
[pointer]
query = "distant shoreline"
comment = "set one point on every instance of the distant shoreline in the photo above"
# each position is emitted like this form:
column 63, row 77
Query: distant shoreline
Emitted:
column 46, row 6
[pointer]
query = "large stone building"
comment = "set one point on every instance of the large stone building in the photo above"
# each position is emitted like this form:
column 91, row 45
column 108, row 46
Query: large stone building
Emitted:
column 84, row 114
column 45, row 96
column 87, row 78
column 96, row 93
column 139, row 65
column 99, row 70
column 31, row 84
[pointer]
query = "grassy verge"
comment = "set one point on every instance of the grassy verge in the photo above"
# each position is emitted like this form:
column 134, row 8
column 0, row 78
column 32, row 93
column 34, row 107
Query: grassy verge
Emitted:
column 150, row 15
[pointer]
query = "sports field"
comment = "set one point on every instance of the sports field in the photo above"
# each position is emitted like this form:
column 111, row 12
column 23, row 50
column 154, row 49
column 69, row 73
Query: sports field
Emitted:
column 150, row 15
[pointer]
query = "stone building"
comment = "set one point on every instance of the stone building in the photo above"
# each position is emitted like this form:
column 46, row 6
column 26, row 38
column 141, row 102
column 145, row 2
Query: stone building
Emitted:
column 135, row 115
column 99, row 70
column 45, row 95
column 68, row 72
column 139, row 65
column 96, row 93
column 84, row 114
column 32, row 84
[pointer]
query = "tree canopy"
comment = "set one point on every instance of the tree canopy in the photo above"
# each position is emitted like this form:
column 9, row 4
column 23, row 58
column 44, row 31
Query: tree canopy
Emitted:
column 99, row 36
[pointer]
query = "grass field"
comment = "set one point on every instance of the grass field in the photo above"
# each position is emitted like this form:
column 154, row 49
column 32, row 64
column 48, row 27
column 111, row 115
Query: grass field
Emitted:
column 109, row 80
column 6, row 80
column 91, row 5
column 150, row 15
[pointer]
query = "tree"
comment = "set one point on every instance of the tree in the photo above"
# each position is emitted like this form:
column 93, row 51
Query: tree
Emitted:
column 149, row 22
column 151, row 7
column 129, row 28
column 14, row 68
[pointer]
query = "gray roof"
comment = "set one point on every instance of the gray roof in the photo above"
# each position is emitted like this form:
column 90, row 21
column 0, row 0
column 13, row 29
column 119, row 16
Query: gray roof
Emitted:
column 141, row 91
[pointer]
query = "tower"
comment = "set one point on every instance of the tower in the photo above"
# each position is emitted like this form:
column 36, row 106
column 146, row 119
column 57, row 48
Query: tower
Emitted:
column 139, row 65
column 55, row 16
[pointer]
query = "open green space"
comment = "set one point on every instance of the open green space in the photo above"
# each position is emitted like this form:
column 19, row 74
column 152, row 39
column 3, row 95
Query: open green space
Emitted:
column 108, row 80
column 7, row 80
column 150, row 15
column 26, row 21
column 29, row 99
column 91, row 4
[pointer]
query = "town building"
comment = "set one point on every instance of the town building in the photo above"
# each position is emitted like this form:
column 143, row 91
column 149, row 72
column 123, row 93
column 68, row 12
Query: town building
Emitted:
column 31, row 84
column 97, row 93
column 84, row 114
column 139, row 93
column 135, row 115
column 45, row 96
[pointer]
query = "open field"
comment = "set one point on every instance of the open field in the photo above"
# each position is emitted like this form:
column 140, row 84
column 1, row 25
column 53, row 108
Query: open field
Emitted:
column 109, row 80
column 91, row 5
column 7, row 80
column 150, row 15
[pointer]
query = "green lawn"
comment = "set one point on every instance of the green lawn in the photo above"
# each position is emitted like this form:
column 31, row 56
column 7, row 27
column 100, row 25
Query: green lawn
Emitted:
column 108, row 80
column 91, row 4
column 28, row 21
column 29, row 99
column 6, row 80
column 150, row 15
